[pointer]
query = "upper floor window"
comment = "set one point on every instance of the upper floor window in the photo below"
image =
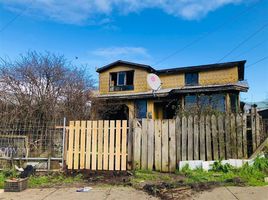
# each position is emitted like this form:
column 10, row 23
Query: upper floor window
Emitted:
column 120, row 81
column 191, row 78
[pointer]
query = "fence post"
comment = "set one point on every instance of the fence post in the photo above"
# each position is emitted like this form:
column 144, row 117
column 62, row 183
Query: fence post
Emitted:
column 63, row 141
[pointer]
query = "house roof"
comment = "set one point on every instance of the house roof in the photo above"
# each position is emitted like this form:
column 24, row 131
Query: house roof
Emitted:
column 239, row 64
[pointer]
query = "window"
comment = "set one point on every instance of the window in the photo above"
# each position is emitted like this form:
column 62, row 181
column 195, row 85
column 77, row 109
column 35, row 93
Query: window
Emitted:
column 191, row 78
column 204, row 102
column 234, row 102
column 120, row 81
column 141, row 109
column 190, row 102
column 218, row 102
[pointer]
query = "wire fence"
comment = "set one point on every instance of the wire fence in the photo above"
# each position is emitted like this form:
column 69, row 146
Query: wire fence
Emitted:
column 32, row 140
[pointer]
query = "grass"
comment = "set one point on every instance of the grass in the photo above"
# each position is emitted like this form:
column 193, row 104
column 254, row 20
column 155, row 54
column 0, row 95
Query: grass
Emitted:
column 146, row 175
column 48, row 180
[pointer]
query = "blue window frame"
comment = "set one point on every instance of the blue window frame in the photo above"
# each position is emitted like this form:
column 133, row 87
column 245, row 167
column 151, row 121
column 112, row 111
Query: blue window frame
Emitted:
column 191, row 78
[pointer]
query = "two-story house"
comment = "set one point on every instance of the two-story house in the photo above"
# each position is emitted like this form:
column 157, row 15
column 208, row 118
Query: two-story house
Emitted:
column 215, row 86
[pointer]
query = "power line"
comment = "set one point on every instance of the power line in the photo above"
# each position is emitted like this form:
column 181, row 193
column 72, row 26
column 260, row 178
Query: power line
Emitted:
column 244, row 41
column 206, row 34
column 260, row 60
column 15, row 17
column 252, row 48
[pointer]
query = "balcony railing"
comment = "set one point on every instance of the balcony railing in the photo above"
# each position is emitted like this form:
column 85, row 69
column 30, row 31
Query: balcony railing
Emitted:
column 121, row 88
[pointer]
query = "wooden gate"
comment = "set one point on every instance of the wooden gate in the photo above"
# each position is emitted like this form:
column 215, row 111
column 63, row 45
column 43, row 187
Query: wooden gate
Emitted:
column 97, row 145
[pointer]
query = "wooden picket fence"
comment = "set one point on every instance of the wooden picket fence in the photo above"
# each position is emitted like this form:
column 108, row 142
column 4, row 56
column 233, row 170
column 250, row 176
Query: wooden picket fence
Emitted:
column 97, row 145
column 161, row 144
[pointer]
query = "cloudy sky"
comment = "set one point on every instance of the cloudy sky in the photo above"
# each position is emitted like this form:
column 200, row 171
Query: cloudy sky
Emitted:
column 161, row 33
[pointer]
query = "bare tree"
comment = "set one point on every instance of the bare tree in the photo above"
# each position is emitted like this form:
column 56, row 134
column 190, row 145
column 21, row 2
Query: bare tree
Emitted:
column 44, row 87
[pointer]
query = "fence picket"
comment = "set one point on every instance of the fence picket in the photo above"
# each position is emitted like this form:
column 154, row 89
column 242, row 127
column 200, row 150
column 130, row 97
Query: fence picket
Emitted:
column 228, row 137
column 184, row 139
column 221, row 137
column 150, row 146
column 172, row 145
column 71, row 144
column 124, row 146
column 94, row 145
column 83, row 140
column 214, row 137
column 202, row 139
column 233, row 137
column 178, row 139
column 76, row 145
column 88, row 143
column 239, row 136
column 190, row 138
column 118, row 145
column 164, row 150
column 137, row 145
column 244, row 124
column 144, row 145
column 196, row 137
column 208, row 138
column 105, row 145
column 158, row 133
column 111, row 150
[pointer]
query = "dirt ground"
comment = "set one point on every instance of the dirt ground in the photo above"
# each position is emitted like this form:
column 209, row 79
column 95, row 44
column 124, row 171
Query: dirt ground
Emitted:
column 129, row 193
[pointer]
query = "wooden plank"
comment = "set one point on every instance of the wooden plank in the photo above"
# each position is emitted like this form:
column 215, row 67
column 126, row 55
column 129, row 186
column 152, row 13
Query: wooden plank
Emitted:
column 150, row 145
column 184, row 139
column 144, row 144
column 178, row 139
column 71, row 145
column 130, row 145
column 88, row 143
column 244, row 129
column 202, row 138
column 227, row 131
column 118, row 145
column 76, row 144
column 215, row 143
column 100, row 144
column 83, row 145
column 208, row 138
column 233, row 137
column 221, row 136
column 196, row 137
column 258, row 130
column 172, row 145
column 158, row 135
column 111, row 149
column 94, row 145
column 239, row 136
column 105, row 145
column 253, row 128
column 136, row 144
column 190, row 133
column 164, row 165
column 124, row 145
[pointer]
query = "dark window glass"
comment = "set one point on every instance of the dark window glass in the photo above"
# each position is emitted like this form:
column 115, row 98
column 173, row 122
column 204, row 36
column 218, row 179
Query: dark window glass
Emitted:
column 218, row 102
column 121, row 78
column 204, row 102
column 190, row 102
column 234, row 102
column 130, row 77
column 141, row 108
column 113, row 79
column 191, row 78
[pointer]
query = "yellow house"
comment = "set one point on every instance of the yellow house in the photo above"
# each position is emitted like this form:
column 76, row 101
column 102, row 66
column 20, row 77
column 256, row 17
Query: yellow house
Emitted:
column 216, row 86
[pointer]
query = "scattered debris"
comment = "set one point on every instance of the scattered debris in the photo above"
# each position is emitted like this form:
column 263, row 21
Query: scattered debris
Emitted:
column 85, row 189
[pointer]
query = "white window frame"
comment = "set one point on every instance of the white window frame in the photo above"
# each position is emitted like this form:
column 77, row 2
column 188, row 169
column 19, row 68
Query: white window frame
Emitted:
column 125, row 79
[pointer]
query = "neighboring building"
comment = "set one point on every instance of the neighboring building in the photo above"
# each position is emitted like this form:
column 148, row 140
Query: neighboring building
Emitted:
column 215, row 85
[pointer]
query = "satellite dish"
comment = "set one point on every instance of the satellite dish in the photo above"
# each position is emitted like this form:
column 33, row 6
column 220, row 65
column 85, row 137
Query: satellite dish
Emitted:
column 153, row 81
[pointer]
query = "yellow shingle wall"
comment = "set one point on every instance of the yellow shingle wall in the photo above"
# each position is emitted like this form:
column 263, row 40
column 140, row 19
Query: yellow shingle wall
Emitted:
column 140, row 80
column 219, row 76
column 172, row 80
column 209, row 77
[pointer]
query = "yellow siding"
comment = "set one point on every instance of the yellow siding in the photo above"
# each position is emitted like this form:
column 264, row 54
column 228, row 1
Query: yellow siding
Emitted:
column 140, row 80
column 150, row 108
column 172, row 80
column 219, row 76
column 209, row 77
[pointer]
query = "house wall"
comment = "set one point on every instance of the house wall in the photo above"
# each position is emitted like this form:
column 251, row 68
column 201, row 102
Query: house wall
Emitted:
column 209, row 77
column 140, row 80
